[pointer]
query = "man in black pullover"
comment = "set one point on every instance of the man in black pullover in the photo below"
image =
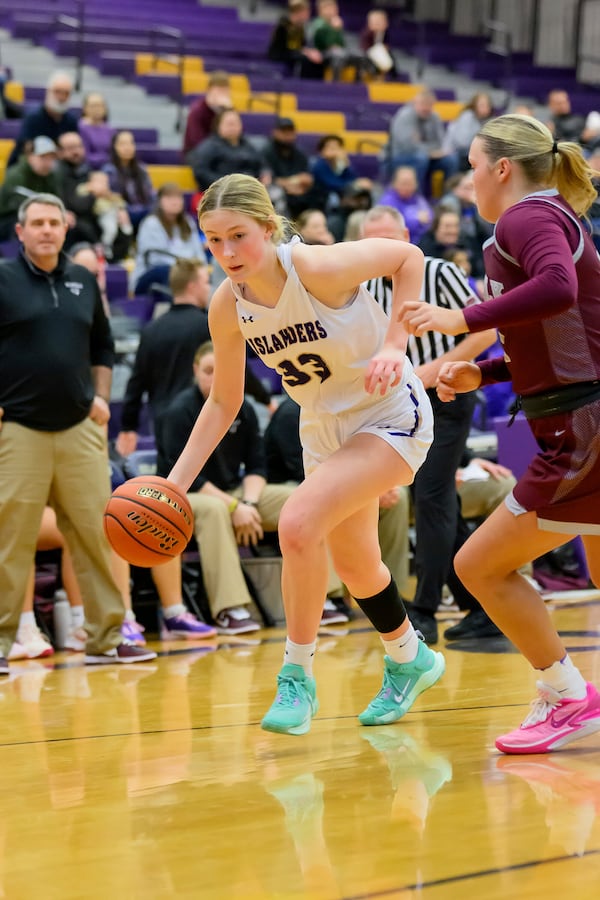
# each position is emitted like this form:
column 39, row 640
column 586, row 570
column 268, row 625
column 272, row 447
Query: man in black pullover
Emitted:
column 56, row 355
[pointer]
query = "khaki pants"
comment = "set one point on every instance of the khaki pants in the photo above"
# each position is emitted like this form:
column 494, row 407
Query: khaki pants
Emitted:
column 68, row 470
column 221, row 567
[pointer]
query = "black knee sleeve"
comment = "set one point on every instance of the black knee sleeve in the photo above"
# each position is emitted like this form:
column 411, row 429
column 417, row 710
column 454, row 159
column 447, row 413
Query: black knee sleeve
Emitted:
column 385, row 610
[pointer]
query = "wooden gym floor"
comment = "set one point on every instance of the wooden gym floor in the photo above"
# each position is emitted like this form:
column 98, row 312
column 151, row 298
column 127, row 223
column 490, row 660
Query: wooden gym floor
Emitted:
column 156, row 781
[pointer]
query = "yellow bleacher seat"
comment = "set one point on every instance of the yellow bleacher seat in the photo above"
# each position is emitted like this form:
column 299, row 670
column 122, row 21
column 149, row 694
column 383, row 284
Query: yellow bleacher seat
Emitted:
column 364, row 141
column 448, row 110
column 319, row 122
column 181, row 175
column 6, row 145
column 392, row 92
column 14, row 90
column 266, row 101
column 149, row 64
column 195, row 82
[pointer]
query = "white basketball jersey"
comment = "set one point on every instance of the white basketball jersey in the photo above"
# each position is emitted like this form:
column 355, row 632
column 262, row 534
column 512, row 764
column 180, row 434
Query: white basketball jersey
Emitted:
column 321, row 353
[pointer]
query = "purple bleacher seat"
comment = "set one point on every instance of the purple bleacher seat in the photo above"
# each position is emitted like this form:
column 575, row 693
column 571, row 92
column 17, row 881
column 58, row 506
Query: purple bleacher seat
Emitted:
column 116, row 282
column 165, row 85
column 366, row 164
column 269, row 377
column 114, row 423
column 140, row 308
column 9, row 128
column 10, row 249
column 516, row 444
column 161, row 156
column 258, row 123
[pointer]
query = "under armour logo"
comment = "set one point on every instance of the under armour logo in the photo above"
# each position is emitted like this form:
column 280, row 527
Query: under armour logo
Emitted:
column 247, row 318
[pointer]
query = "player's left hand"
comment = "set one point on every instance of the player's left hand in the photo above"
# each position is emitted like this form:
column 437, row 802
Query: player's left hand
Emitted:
column 419, row 317
column 384, row 370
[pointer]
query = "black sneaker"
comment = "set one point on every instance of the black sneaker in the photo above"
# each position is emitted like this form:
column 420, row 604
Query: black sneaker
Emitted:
column 424, row 622
column 126, row 652
column 4, row 669
column 476, row 624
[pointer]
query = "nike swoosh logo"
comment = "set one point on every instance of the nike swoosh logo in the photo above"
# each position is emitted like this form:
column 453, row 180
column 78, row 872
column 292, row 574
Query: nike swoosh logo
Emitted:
column 558, row 433
column 558, row 723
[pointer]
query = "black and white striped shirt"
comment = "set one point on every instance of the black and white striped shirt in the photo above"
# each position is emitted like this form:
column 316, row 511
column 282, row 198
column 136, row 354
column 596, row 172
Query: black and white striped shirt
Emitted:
column 445, row 285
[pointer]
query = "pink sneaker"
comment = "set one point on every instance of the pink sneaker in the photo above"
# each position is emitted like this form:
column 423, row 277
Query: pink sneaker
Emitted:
column 553, row 722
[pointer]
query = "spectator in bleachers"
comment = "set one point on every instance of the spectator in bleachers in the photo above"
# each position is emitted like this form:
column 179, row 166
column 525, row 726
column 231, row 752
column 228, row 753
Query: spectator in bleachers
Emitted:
column 333, row 171
column 444, row 233
column 312, row 227
column 461, row 131
column 51, row 119
column 95, row 131
column 163, row 362
column 289, row 43
column 227, row 150
column 459, row 196
column 564, row 124
column 232, row 502
column 110, row 209
column 84, row 254
column 328, row 36
column 404, row 195
column 374, row 42
column 356, row 197
column 82, row 190
column 290, row 167
column 129, row 177
column 460, row 257
column 203, row 111
column 8, row 108
column 166, row 234
column 30, row 642
column 417, row 136
column 354, row 224
column 33, row 173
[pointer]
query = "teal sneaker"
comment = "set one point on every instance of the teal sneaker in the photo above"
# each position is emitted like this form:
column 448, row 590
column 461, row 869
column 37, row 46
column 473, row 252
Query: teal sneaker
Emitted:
column 295, row 704
column 402, row 684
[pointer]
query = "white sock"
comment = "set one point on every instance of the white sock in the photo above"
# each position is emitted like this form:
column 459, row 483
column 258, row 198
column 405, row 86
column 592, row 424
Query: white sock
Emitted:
column 77, row 616
column 300, row 655
column 403, row 649
column 27, row 618
column 169, row 612
column 565, row 678
column 130, row 616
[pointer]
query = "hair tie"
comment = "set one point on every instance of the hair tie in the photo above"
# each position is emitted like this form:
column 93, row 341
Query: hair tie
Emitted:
column 554, row 147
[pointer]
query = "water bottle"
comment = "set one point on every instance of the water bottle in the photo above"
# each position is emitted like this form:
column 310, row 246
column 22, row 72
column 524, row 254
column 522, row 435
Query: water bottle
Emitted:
column 62, row 619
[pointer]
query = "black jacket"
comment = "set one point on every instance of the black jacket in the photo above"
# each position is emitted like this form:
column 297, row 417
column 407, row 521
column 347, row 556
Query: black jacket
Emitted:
column 37, row 122
column 216, row 157
column 282, row 444
column 241, row 452
column 53, row 329
column 164, row 359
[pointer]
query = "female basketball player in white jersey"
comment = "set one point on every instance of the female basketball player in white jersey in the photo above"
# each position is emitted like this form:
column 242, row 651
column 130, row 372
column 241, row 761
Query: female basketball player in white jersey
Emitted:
column 366, row 424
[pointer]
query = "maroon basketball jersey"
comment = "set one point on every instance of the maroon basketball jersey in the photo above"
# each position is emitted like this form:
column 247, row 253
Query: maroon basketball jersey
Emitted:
column 543, row 270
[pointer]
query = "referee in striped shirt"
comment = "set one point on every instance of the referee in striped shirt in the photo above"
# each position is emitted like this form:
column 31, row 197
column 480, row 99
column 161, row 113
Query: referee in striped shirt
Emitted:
column 439, row 526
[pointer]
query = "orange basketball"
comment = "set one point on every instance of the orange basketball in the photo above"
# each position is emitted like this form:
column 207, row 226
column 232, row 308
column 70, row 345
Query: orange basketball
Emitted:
column 148, row 520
